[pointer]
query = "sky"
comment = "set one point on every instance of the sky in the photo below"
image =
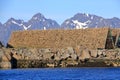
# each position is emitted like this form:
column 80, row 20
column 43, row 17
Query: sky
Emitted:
column 58, row 10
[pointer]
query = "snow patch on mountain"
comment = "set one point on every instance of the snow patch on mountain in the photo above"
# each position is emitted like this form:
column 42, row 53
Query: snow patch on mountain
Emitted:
column 101, row 19
column 39, row 19
column 43, row 20
column 25, row 27
column 91, row 17
column 80, row 25
column 16, row 23
column 35, row 18
column 87, row 15
column 67, row 22
column 44, row 28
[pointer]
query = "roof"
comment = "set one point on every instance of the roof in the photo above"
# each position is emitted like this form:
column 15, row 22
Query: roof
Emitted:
column 115, row 31
column 91, row 38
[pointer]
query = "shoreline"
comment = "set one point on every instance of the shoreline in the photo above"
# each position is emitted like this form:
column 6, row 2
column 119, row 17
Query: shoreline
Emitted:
column 65, row 64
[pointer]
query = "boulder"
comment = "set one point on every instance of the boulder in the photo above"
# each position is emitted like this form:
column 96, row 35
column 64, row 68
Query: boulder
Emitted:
column 65, row 55
column 85, row 54
column 93, row 53
column 71, row 63
column 17, row 56
column 104, row 54
column 114, row 64
column 73, row 56
column 50, row 65
column 70, row 50
column 47, row 56
column 117, row 55
column 57, row 56
column 77, row 49
column 99, row 52
column 25, row 52
column 6, row 58
column 45, row 50
column 20, row 51
column 5, row 65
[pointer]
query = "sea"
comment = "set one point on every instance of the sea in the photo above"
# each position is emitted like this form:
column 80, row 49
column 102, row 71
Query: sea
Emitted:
column 61, row 74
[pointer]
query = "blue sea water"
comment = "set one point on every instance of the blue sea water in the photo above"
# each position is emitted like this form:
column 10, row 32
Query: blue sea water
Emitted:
column 61, row 74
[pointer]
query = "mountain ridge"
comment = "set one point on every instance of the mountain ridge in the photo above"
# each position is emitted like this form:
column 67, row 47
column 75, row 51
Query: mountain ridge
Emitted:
column 90, row 21
column 39, row 21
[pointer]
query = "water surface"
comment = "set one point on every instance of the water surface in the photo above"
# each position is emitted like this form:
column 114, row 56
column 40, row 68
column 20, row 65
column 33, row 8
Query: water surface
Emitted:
column 61, row 74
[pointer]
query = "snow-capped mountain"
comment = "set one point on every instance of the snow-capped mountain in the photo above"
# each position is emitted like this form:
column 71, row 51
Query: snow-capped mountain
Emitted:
column 38, row 21
column 13, row 24
column 19, row 23
column 8, row 27
column 82, row 21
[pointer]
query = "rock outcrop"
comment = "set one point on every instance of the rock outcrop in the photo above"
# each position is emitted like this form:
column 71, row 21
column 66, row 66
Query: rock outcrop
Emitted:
column 67, row 57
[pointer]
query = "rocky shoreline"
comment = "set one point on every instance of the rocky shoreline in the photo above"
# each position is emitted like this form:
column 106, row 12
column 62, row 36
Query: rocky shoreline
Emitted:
column 67, row 57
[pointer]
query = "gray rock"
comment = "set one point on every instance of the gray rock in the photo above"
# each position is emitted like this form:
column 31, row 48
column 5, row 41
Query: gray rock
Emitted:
column 85, row 54
column 73, row 56
column 46, row 50
column 65, row 55
column 47, row 56
column 104, row 53
column 99, row 52
column 5, row 65
column 57, row 56
column 70, row 50
column 93, row 53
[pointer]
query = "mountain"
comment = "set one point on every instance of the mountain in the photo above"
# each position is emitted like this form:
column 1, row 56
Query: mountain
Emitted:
column 38, row 21
column 10, row 26
column 0, row 24
column 82, row 21
column 1, row 32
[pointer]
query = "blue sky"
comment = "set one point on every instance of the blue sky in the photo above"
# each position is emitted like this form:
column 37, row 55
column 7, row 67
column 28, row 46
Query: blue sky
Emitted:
column 58, row 10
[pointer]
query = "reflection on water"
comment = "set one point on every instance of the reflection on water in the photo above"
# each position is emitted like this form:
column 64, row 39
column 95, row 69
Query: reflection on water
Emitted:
column 61, row 74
